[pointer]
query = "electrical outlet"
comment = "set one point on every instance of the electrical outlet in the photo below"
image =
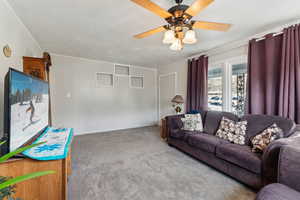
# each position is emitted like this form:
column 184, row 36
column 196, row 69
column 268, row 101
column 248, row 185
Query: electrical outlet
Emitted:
column 68, row 95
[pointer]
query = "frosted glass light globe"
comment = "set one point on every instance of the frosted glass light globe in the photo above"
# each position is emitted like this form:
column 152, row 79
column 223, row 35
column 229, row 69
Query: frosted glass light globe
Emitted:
column 169, row 37
column 176, row 45
column 190, row 37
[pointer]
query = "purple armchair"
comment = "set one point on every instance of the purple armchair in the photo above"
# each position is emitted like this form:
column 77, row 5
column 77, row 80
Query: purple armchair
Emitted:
column 272, row 154
column 288, row 186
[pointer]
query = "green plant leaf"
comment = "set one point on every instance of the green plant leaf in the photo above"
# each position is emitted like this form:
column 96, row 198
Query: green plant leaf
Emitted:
column 24, row 178
column 2, row 142
column 17, row 151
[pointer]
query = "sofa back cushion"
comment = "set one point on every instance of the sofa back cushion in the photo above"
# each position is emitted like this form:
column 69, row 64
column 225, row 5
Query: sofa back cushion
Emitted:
column 258, row 123
column 203, row 115
column 213, row 118
column 175, row 122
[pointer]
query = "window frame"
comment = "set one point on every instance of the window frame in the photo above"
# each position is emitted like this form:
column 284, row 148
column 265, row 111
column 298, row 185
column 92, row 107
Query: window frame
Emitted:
column 219, row 65
column 227, row 78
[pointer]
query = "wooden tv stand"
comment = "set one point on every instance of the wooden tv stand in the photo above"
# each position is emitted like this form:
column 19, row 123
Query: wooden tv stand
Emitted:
column 49, row 187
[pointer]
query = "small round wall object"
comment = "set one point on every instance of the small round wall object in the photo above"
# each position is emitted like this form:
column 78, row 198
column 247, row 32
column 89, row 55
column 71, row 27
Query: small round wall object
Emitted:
column 7, row 51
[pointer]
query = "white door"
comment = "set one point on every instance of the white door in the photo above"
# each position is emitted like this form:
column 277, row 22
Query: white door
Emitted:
column 167, row 90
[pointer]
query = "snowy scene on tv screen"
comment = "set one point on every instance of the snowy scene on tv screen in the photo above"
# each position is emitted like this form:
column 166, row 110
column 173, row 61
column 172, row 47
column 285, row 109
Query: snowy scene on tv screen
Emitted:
column 29, row 101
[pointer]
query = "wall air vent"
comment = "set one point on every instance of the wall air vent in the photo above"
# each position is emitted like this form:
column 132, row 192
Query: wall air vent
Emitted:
column 104, row 79
column 121, row 70
column 137, row 82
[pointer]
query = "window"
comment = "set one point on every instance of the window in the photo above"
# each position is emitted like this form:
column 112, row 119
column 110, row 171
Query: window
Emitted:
column 238, row 88
column 215, row 88
column 227, row 85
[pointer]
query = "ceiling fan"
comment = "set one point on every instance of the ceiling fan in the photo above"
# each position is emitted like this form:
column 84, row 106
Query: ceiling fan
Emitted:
column 179, row 29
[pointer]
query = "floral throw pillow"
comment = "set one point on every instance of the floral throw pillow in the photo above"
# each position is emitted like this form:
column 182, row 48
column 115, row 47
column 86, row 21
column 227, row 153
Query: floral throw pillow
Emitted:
column 232, row 131
column 192, row 122
column 262, row 140
column 188, row 124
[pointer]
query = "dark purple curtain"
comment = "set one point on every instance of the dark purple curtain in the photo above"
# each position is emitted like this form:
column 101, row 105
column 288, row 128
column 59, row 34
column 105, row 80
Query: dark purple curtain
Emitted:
column 197, row 84
column 274, row 75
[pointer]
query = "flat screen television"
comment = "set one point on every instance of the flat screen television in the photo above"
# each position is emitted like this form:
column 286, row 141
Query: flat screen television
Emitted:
column 26, row 108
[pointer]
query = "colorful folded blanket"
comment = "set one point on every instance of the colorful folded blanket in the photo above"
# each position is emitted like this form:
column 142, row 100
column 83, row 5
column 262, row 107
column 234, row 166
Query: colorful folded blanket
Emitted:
column 56, row 147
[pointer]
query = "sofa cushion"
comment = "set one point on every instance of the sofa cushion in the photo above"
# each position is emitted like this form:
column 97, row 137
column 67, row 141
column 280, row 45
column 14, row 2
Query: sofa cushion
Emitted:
column 277, row 191
column 192, row 122
column 182, row 134
column 205, row 142
column 203, row 114
column 258, row 123
column 240, row 155
column 232, row 131
column 262, row 140
column 213, row 118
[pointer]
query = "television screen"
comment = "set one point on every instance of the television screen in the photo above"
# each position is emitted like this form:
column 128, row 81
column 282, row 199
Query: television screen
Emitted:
column 28, row 108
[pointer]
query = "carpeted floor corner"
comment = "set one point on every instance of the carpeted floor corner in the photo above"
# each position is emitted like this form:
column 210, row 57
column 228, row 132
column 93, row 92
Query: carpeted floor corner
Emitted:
column 135, row 164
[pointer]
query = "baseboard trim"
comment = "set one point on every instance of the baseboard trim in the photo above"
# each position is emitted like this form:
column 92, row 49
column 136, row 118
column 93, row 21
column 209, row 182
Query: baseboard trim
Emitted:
column 111, row 130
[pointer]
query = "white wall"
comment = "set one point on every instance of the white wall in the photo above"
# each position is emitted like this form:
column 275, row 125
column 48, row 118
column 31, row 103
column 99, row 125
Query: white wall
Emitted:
column 227, row 54
column 89, row 109
column 78, row 103
column 15, row 34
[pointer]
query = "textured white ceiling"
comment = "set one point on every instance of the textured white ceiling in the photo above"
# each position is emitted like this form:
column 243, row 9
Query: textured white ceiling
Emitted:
column 103, row 29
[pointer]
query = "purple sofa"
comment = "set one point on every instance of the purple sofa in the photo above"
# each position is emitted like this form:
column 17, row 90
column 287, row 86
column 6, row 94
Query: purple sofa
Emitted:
column 237, row 161
column 288, row 186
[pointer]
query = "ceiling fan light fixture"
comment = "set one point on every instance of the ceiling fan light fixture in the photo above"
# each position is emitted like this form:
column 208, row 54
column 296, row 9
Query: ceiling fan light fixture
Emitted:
column 176, row 45
column 190, row 37
column 179, row 19
column 169, row 37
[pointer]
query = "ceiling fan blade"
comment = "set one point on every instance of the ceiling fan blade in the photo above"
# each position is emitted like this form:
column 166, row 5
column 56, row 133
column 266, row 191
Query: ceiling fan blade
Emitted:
column 151, row 32
column 153, row 8
column 197, row 6
column 211, row 26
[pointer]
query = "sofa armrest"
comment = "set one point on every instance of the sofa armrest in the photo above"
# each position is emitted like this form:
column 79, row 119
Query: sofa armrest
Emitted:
column 289, row 166
column 270, row 156
column 174, row 121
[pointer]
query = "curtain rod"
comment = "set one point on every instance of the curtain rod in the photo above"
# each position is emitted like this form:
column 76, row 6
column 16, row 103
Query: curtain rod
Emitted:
column 236, row 47
column 216, row 53
column 246, row 42
column 264, row 37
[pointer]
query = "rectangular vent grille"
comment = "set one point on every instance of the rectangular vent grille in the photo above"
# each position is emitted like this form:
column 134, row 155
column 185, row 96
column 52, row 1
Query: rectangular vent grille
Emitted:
column 104, row 79
column 122, row 70
column 137, row 82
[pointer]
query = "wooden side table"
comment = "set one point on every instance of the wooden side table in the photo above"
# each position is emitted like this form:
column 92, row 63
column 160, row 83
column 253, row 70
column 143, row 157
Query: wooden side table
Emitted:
column 164, row 129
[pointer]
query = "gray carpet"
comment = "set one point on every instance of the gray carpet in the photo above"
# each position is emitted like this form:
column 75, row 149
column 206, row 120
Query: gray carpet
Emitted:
column 135, row 164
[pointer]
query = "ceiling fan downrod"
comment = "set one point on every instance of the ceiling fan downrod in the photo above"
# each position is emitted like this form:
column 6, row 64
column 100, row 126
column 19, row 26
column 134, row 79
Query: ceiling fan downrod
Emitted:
column 178, row 1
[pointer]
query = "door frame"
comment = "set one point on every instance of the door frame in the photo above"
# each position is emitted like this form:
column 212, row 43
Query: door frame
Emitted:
column 159, row 84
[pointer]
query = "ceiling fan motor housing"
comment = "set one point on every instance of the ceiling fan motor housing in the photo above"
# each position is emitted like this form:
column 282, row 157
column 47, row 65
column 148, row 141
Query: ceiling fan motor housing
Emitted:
column 179, row 18
column 180, row 7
